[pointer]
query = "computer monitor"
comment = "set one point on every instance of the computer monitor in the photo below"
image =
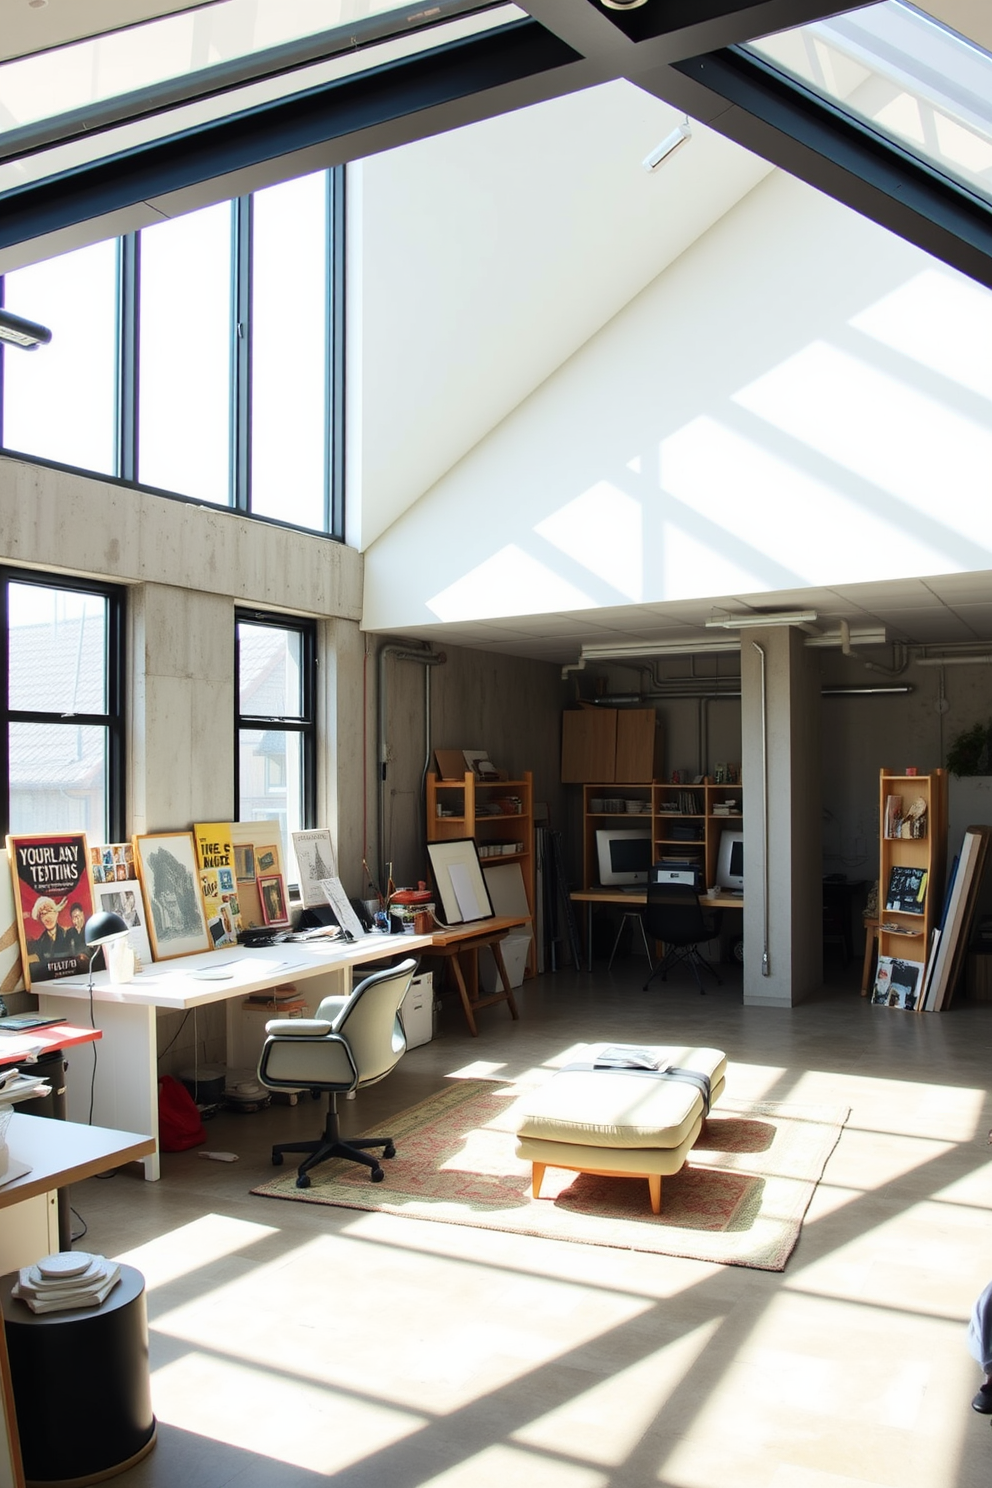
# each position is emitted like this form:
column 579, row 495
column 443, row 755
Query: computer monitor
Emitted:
column 730, row 861
column 624, row 857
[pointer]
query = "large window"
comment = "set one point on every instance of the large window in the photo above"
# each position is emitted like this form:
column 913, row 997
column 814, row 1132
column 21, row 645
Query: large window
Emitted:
column 62, row 729
column 202, row 357
column 276, row 743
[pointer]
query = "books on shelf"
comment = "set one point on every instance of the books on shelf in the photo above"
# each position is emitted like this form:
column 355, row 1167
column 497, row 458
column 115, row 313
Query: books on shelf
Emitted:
column 897, row 983
column 906, row 893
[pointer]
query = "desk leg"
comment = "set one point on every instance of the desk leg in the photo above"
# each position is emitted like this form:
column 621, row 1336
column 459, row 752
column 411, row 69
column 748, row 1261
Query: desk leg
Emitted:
column 497, row 951
column 125, row 1093
column 456, row 967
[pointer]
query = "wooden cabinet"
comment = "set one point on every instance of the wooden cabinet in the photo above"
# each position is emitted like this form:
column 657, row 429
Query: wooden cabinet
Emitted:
column 619, row 745
column 499, row 814
column 686, row 822
column 917, row 803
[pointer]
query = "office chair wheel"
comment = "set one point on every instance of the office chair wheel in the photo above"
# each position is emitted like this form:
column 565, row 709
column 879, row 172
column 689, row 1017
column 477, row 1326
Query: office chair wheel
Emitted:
column 277, row 1159
column 389, row 1151
column 377, row 1175
column 303, row 1181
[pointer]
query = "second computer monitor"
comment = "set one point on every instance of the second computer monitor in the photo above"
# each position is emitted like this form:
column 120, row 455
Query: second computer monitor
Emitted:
column 730, row 861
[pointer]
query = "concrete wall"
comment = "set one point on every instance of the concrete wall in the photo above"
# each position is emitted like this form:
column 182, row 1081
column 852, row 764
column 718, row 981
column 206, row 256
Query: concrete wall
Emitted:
column 800, row 399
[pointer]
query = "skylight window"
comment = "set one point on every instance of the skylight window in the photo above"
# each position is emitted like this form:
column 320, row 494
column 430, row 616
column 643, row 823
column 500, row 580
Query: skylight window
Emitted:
column 76, row 103
column 904, row 76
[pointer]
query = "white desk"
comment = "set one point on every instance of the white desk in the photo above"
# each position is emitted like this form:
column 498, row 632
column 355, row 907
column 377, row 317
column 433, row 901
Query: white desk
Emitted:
column 126, row 1090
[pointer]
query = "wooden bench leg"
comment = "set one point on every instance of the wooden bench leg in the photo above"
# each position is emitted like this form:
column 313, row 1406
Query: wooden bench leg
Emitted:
column 536, row 1178
column 654, row 1188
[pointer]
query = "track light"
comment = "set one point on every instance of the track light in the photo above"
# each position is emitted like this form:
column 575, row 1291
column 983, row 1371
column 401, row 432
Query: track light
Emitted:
column 668, row 146
column 27, row 334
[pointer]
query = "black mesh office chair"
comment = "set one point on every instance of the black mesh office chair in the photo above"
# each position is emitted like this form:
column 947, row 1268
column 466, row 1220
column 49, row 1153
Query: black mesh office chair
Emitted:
column 674, row 915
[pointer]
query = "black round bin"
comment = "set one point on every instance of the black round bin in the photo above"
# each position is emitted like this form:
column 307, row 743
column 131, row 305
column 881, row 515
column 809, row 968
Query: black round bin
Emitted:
column 81, row 1384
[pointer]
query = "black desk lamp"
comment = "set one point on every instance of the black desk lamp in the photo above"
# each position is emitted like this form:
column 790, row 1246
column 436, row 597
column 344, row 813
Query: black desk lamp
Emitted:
column 103, row 928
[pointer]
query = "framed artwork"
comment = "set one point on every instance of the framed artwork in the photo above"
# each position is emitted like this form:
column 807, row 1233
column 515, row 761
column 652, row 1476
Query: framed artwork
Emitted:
column 272, row 893
column 168, row 871
column 53, row 899
column 124, row 899
column 112, row 862
column 457, row 874
column 254, row 843
column 215, row 855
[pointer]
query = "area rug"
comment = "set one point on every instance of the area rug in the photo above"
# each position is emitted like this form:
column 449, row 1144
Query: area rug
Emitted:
column 739, row 1201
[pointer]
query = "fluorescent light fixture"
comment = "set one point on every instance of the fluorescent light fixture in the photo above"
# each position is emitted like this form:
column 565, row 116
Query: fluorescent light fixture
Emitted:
column 669, row 144
column 27, row 334
column 775, row 617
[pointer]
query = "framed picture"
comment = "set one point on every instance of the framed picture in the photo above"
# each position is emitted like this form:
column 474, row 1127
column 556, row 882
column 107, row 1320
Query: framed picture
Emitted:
column 169, row 884
column 53, row 899
column 124, row 899
column 457, row 875
column 272, row 893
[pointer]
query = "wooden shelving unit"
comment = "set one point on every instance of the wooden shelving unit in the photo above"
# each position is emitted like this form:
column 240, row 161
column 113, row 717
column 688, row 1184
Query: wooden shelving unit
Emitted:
column 927, row 852
column 693, row 832
column 465, row 808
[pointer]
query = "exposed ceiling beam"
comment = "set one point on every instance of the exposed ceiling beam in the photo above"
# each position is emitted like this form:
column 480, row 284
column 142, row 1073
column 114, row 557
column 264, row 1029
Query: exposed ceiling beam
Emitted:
column 747, row 103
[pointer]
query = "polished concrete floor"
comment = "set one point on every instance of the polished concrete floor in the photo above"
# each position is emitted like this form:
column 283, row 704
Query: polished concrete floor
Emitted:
column 292, row 1343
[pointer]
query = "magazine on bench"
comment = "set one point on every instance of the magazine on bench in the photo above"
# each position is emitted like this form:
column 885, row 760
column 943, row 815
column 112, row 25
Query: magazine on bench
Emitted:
column 630, row 1056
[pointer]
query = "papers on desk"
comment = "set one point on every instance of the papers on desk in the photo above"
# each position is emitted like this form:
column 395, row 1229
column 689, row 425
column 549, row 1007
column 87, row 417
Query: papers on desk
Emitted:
column 20, row 1046
column 23, row 1087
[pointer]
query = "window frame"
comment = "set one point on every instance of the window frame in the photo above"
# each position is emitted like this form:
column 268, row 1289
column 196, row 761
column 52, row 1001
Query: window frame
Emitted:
column 127, row 432
column 113, row 720
column 304, row 724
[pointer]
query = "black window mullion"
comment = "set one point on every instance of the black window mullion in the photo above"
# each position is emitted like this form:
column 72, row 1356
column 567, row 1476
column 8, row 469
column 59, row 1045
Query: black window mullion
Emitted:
column 335, row 375
column 129, row 287
column 303, row 723
column 241, row 286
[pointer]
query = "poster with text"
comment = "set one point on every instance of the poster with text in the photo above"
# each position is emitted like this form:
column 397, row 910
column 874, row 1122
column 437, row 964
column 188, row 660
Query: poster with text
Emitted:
column 54, row 899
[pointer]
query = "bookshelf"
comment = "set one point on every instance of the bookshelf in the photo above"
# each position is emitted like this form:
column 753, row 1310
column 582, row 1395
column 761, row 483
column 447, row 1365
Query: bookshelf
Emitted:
column 686, row 821
column 912, row 842
column 499, row 814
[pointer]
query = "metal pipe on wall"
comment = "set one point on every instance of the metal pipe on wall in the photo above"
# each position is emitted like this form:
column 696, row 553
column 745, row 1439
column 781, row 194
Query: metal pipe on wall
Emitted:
column 427, row 658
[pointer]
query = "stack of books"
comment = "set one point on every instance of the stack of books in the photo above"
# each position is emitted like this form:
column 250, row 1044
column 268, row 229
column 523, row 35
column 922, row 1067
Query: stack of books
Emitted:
column 70, row 1279
column 725, row 808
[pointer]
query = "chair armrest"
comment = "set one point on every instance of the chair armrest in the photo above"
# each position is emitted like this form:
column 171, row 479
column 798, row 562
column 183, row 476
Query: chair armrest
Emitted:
column 298, row 1028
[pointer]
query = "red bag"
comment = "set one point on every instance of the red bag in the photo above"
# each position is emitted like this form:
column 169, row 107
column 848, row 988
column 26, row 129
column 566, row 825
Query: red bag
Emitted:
column 179, row 1124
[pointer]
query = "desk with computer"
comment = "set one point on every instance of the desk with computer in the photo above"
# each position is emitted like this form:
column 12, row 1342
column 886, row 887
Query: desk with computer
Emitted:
column 629, row 870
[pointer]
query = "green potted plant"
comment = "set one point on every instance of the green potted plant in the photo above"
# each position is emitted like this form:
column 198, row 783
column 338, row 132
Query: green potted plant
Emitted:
column 971, row 752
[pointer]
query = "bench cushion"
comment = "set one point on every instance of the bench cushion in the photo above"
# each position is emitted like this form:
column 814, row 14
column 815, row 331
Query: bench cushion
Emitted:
column 619, row 1109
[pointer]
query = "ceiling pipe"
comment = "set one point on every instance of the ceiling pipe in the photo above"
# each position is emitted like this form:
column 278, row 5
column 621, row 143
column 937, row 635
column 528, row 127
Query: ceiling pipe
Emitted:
column 978, row 658
column 615, row 699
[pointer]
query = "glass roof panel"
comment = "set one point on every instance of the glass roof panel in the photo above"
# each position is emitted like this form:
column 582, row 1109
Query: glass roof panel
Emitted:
column 77, row 146
column 903, row 75
column 169, row 47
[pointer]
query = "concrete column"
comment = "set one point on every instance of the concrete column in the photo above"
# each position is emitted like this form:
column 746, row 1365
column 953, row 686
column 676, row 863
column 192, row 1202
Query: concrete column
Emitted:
column 181, row 704
column 780, row 735
column 346, row 790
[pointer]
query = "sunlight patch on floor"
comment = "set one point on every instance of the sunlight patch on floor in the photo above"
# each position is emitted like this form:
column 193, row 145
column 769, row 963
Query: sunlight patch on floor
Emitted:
column 252, row 1408
column 605, row 1423
column 192, row 1246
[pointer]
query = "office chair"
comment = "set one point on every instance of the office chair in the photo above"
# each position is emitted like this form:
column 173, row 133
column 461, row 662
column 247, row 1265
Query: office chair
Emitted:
column 352, row 1042
column 674, row 915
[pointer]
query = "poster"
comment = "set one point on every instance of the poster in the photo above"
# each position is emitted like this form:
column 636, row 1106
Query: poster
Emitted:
column 216, row 857
column 54, row 899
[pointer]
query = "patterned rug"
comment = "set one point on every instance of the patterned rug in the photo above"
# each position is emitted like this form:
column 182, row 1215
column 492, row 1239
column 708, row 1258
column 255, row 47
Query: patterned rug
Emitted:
column 739, row 1201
